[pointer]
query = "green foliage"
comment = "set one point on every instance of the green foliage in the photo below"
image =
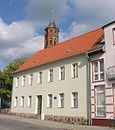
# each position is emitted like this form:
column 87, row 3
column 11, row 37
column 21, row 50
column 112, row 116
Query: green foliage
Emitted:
column 5, row 94
column 6, row 75
column 6, row 80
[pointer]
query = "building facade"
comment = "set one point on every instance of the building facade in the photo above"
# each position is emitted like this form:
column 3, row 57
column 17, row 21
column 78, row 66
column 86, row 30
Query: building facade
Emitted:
column 69, row 82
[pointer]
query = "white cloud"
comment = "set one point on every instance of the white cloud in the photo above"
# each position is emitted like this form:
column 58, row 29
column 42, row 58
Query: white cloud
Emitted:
column 19, row 39
column 16, row 32
column 94, row 12
column 39, row 10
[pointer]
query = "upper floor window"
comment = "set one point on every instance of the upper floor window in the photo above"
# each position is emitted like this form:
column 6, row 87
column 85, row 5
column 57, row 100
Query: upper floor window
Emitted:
column 30, row 79
column 16, row 102
column 74, row 100
column 40, row 78
column 22, row 101
column 75, row 70
column 50, row 75
column 114, row 36
column 62, row 73
column 23, row 80
column 49, row 101
column 29, row 101
column 98, row 70
column 100, row 100
column 17, row 82
column 61, row 100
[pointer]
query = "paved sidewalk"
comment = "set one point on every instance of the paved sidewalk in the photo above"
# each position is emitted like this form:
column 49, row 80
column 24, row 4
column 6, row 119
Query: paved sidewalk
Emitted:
column 53, row 124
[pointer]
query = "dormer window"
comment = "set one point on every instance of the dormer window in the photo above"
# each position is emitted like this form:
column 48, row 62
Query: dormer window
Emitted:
column 114, row 36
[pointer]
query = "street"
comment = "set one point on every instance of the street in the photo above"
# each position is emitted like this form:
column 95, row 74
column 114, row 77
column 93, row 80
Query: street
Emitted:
column 8, row 124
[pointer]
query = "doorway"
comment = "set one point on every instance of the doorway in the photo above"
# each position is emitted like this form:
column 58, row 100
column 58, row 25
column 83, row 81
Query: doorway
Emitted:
column 39, row 106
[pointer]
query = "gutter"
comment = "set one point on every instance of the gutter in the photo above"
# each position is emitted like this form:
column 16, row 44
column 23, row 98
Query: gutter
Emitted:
column 89, row 90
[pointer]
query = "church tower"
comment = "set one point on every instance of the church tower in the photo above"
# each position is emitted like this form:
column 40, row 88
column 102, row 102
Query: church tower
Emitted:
column 51, row 33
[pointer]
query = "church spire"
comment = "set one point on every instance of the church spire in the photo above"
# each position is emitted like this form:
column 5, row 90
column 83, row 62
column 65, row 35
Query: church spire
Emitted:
column 52, row 21
column 51, row 33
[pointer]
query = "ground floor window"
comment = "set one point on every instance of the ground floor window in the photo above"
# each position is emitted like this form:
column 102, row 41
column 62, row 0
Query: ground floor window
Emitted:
column 49, row 101
column 22, row 101
column 100, row 100
column 61, row 100
column 74, row 100
column 29, row 101
column 16, row 102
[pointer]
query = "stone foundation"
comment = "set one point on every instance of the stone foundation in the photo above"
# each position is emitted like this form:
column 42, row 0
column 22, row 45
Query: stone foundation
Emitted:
column 26, row 115
column 66, row 119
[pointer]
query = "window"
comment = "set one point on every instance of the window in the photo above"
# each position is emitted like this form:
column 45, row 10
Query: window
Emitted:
column 17, row 82
column 40, row 78
column 61, row 100
column 75, row 70
column 49, row 101
column 51, row 41
column 114, row 36
column 62, row 73
column 100, row 100
column 16, row 102
column 54, row 41
column 50, row 75
column 30, row 79
column 98, row 70
column 29, row 101
column 22, row 101
column 74, row 100
column 23, row 80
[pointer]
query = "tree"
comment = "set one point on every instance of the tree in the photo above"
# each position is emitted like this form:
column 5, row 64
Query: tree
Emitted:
column 7, row 74
column 6, row 80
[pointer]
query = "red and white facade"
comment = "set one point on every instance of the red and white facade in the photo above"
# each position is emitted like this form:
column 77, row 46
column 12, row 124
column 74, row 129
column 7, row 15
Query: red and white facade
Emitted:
column 102, row 64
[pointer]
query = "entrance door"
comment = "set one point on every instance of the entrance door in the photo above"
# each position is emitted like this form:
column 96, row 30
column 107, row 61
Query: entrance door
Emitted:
column 39, row 108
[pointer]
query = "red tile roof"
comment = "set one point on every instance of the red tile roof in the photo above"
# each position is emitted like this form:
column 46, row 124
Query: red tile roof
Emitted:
column 74, row 46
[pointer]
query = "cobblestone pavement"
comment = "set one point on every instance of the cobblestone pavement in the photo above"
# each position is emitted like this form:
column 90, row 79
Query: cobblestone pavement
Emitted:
column 52, row 124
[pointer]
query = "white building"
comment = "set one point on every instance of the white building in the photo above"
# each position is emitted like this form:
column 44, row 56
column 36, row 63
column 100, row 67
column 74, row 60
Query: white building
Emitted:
column 59, row 82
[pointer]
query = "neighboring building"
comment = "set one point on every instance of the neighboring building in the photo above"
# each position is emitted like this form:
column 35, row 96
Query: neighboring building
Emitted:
column 62, row 82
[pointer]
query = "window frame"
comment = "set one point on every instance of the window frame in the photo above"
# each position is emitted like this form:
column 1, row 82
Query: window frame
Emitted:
column 40, row 77
column 23, row 80
column 50, row 75
column 99, row 72
column 16, row 102
column 61, row 100
column 29, row 101
column 62, row 73
column 31, row 79
column 49, row 100
column 98, row 92
column 17, row 82
column 73, row 98
column 74, row 70
column 22, row 101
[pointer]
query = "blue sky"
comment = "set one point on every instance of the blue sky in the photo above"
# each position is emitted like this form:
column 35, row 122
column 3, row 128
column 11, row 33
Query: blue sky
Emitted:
column 22, row 23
